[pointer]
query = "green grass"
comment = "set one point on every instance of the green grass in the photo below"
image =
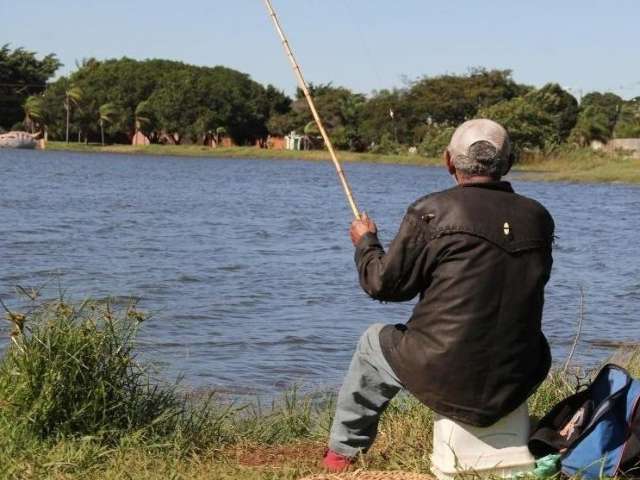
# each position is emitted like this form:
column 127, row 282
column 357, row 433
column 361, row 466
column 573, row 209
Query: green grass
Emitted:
column 581, row 165
column 241, row 152
column 75, row 403
column 561, row 164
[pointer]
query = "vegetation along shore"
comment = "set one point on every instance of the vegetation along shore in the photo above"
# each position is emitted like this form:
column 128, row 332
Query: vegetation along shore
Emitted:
column 77, row 402
column 190, row 109
column 564, row 164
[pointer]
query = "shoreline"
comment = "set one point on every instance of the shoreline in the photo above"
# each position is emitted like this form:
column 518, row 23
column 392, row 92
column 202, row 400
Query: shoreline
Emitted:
column 77, row 404
column 577, row 165
column 243, row 152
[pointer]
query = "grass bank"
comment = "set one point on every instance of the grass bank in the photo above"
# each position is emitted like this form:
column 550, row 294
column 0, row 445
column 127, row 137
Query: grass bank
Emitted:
column 581, row 165
column 564, row 164
column 75, row 403
column 240, row 152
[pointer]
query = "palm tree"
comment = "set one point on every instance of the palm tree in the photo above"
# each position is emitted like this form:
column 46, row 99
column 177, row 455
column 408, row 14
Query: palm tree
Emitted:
column 310, row 130
column 220, row 132
column 71, row 97
column 33, row 112
column 106, row 113
column 142, row 117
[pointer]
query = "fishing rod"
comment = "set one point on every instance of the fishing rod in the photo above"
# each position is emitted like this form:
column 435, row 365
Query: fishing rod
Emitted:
column 314, row 112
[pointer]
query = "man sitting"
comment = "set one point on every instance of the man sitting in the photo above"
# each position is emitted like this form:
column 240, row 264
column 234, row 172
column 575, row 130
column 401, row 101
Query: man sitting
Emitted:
column 478, row 256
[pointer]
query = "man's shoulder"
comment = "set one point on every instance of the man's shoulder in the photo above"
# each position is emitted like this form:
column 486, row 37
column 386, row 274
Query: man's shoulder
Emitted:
column 455, row 201
column 536, row 206
column 423, row 203
column 462, row 194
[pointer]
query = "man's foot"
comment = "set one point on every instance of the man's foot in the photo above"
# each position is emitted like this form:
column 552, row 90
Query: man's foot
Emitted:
column 334, row 462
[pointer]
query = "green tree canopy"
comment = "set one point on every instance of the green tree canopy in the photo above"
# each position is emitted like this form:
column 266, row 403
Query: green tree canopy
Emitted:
column 113, row 99
column 597, row 118
column 33, row 112
column 452, row 99
column 339, row 108
column 21, row 74
column 529, row 126
column 430, row 104
column 559, row 104
column 172, row 98
column 386, row 114
column 628, row 122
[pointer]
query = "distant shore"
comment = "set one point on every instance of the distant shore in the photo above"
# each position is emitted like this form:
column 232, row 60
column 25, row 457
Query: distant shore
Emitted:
column 577, row 165
column 241, row 152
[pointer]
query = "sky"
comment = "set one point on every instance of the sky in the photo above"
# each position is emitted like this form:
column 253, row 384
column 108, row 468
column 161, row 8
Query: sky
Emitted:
column 366, row 45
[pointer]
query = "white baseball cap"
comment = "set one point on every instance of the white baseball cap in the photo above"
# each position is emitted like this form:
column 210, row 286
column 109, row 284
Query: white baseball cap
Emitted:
column 477, row 130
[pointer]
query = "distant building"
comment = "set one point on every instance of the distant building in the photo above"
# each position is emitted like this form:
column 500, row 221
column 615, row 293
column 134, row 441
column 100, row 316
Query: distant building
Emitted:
column 227, row 142
column 293, row 141
column 631, row 145
column 276, row 142
column 140, row 139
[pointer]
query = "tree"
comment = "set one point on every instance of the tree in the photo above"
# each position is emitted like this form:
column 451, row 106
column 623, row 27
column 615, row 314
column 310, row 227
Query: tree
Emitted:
column 435, row 140
column 348, row 134
column 559, row 104
column 528, row 125
column 281, row 124
column 628, row 123
column 220, row 133
column 597, row 118
column 593, row 125
column 53, row 111
column 71, row 98
column 106, row 113
column 311, row 135
column 409, row 115
column 376, row 118
column 339, row 108
column 275, row 101
column 452, row 99
column 143, row 118
column 33, row 113
column 22, row 75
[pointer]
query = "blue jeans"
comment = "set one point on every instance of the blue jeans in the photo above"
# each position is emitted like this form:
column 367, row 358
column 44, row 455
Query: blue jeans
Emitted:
column 368, row 387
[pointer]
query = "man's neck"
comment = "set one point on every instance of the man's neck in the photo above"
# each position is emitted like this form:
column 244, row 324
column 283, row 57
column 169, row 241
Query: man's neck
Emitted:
column 475, row 179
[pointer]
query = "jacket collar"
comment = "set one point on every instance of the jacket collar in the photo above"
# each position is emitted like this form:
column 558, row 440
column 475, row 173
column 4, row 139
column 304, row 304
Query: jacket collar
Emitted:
column 495, row 185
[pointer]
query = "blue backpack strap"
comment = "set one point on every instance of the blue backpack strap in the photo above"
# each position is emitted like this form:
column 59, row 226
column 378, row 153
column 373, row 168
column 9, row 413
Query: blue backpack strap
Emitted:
column 630, row 459
column 598, row 450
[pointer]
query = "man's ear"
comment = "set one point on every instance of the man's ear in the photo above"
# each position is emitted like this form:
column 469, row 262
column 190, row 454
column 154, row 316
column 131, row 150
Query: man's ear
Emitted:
column 448, row 161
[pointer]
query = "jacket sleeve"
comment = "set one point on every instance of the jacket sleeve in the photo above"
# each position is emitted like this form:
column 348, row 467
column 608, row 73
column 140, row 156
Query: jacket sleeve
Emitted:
column 397, row 275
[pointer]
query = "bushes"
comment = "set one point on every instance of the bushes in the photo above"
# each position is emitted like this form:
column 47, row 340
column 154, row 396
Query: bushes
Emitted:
column 529, row 126
column 71, row 370
column 435, row 141
column 76, row 403
column 71, row 374
column 387, row 146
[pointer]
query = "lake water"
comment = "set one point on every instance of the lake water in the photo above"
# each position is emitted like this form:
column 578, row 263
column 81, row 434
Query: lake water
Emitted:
column 247, row 267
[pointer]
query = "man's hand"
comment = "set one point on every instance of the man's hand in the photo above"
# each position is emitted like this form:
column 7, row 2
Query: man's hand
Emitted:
column 361, row 227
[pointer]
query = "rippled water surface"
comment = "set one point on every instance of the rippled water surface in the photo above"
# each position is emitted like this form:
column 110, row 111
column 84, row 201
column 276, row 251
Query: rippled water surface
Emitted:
column 247, row 267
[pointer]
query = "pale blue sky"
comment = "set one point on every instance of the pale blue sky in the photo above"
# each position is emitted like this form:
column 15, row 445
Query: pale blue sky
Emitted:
column 361, row 44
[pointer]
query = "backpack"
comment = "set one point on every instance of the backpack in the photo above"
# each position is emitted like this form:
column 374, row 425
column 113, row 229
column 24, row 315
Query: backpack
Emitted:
column 597, row 430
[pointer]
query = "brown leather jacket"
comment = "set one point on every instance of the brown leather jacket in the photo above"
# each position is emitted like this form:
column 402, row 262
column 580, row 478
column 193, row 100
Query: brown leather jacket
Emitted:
column 479, row 256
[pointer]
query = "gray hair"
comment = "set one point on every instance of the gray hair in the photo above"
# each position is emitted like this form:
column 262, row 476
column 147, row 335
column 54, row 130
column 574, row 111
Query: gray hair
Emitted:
column 482, row 159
